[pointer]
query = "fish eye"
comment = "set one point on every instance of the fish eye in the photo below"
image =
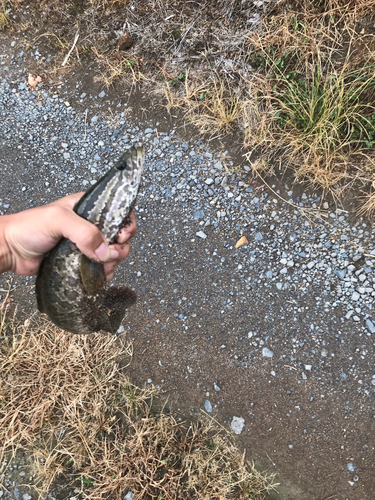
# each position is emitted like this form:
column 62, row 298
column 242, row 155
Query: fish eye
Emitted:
column 122, row 165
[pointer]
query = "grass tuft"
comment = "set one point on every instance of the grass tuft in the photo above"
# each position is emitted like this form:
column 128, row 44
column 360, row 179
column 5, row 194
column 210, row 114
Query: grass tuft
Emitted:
column 313, row 102
column 321, row 125
column 65, row 401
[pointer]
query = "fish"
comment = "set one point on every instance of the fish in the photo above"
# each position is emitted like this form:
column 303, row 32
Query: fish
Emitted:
column 70, row 287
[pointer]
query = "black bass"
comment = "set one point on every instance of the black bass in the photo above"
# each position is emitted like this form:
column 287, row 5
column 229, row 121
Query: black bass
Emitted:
column 70, row 288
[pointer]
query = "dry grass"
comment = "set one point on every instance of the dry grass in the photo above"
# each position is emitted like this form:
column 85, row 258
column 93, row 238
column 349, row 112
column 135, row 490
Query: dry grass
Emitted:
column 4, row 16
column 65, row 400
column 211, row 105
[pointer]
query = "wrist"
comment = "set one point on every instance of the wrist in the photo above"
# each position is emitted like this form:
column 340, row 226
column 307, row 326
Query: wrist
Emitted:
column 5, row 253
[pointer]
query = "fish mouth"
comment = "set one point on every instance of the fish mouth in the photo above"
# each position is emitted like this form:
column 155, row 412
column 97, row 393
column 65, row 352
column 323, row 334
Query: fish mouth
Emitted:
column 131, row 160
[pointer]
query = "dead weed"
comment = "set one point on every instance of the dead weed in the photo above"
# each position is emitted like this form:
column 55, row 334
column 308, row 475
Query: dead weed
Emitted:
column 4, row 16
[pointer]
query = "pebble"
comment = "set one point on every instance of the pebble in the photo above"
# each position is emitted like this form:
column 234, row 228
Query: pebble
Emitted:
column 341, row 273
column 208, row 406
column 201, row 234
column 237, row 425
column 267, row 353
column 371, row 327
column 199, row 214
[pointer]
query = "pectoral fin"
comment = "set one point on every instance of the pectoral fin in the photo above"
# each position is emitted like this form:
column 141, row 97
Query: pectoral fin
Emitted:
column 107, row 311
column 92, row 274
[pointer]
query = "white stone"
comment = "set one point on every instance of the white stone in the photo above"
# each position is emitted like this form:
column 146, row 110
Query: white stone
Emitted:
column 201, row 234
column 355, row 296
column 237, row 425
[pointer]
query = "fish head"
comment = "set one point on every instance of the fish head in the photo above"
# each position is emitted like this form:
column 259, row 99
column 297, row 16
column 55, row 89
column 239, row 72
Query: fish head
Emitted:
column 131, row 160
column 107, row 203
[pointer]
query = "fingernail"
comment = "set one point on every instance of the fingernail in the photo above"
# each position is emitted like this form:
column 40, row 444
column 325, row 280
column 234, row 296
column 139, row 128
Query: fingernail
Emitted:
column 104, row 253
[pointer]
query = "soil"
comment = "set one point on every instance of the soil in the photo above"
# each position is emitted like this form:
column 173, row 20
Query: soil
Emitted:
column 305, row 432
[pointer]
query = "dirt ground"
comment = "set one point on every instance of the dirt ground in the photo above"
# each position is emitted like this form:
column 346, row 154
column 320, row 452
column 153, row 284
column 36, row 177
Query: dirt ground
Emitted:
column 305, row 431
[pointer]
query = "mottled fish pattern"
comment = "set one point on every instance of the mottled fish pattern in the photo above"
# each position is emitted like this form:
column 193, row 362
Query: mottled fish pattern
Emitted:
column 70, row 288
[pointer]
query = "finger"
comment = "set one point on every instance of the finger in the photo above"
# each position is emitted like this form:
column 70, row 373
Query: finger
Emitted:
column 123, row 237
column 128, row 232
column 69, row 201
column 133, row 225
column 110, row 267
column 123, row 250
column 85, row 235
column 109, row 276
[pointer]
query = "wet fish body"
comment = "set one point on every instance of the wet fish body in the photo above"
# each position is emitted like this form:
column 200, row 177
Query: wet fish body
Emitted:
column 70, row 288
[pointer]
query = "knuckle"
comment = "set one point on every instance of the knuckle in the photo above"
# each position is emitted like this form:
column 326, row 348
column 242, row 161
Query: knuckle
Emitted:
column 91, row 234
column 56, row 212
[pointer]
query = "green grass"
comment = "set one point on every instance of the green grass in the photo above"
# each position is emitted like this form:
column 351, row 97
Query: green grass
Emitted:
column 311, row 106
column 331, row 114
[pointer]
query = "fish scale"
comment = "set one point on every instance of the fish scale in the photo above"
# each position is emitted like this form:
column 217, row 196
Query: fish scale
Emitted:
column 70, row 288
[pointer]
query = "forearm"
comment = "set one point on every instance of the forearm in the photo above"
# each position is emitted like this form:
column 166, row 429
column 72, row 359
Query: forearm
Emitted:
column 5, row 253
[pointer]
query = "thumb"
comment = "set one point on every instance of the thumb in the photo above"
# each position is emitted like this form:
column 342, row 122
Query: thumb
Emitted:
column 86, row 236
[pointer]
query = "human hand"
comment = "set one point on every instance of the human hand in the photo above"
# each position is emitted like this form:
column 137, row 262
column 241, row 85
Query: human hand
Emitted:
column 25, row 237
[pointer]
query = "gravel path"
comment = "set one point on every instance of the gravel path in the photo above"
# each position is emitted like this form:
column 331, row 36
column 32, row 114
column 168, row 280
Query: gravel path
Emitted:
column 273, row 338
